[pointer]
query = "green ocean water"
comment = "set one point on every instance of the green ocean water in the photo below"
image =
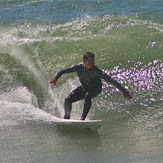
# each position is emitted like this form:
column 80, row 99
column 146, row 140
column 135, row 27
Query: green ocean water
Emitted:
column 127, row 47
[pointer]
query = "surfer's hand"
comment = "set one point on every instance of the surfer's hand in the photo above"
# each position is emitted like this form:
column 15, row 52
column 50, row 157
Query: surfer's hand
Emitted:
column 53, row 81
column 127, row 94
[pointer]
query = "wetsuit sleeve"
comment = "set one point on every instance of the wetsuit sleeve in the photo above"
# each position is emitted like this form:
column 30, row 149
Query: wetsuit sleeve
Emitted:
column 73, row 68
column 111, row 80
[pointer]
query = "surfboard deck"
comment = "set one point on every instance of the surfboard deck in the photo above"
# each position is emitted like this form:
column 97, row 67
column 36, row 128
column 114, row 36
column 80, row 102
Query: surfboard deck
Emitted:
column 85, row 124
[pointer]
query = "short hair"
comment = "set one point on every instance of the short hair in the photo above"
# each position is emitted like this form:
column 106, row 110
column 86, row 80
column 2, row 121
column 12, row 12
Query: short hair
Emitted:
column 88, row 55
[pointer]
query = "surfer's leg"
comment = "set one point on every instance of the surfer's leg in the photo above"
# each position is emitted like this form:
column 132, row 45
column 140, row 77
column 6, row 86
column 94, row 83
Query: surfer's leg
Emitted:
column 94, row 89
column 87, row 105
column 67, row 107
column 74, row 96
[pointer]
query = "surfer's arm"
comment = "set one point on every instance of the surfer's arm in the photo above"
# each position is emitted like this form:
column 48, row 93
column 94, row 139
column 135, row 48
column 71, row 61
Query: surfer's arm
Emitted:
column 73, row 68
column 107, row 78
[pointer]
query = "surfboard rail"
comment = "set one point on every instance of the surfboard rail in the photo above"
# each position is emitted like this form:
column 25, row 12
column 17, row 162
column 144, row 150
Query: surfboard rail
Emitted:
column 85, row 124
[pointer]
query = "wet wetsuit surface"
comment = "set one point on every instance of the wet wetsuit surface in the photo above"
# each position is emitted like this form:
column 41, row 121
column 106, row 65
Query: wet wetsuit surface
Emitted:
column 91, row 86
column 85, row 75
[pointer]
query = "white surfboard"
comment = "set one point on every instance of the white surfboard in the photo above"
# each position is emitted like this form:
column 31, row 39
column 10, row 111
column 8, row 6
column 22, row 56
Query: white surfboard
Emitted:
column 85, row 124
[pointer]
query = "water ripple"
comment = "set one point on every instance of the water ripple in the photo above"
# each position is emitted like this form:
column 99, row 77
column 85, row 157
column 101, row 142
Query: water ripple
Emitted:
column 145, row 81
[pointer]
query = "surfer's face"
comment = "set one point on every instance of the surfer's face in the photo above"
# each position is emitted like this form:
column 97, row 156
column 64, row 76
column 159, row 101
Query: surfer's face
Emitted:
column 89, row 63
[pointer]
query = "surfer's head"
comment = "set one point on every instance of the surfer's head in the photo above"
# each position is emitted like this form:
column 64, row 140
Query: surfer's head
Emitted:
column 89, row 60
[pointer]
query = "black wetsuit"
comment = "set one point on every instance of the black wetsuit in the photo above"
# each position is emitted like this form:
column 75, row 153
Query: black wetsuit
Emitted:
column 91, row 86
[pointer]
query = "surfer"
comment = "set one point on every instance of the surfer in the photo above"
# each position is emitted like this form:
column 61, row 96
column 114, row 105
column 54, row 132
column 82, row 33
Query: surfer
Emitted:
column 90, row 78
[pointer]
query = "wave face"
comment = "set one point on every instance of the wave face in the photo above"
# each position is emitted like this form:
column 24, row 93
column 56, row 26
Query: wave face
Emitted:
column 39, row 38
